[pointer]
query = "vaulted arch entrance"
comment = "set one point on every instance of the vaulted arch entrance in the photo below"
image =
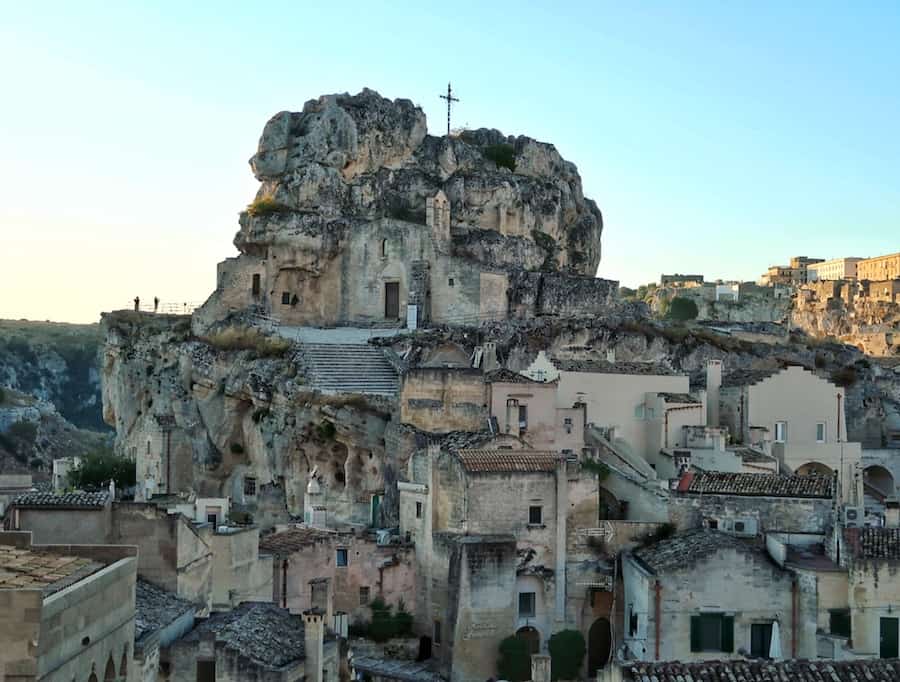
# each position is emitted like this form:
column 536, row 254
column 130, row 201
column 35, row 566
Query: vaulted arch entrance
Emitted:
column 531, row 637
column 599, row 645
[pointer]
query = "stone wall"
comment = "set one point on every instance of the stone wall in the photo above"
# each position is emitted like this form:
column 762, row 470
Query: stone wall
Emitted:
column 440, row 400
column 773, row 514
column 533, row 294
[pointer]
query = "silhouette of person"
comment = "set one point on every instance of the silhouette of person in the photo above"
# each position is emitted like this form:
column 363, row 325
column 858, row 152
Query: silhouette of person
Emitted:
column 155, row 303
column 137, row 303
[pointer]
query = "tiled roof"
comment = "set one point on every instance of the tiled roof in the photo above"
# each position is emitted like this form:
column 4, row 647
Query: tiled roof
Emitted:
column 684, row 398
column 390, row 669
column 499, row 461
column 874, row 670
column 260, row 631
column 748, row 454
column 80, row 500
column 155, row 608
column 506, row 376
column 680, row 551
column 746, row 377
column 762, row 485
column 875, row 543
column 293, row 539
column 22, row 568
column 603, row 367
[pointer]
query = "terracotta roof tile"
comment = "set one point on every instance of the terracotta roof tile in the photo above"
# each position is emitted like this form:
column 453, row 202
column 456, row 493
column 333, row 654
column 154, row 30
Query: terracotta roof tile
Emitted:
column 874, row 543
column 604, row 367
column 80, row 500
column 499, row 461
column 506, row 376
column 681, row 551
column 684, row 398
column 26, row 568
column 763, row 485
column 293, row 539
column 874, row 670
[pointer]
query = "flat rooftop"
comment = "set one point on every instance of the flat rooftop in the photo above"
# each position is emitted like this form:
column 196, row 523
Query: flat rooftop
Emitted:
column 28, row 569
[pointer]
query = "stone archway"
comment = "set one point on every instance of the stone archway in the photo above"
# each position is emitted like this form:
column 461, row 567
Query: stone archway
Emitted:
column 813, row 469
column 599, row 645
column 531, row 637
column 610, row 509
column 878, row 481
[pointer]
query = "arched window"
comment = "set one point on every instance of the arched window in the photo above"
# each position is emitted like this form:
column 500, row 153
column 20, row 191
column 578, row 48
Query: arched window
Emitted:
column 123, row 666
column 384, row 248
column 110, row 674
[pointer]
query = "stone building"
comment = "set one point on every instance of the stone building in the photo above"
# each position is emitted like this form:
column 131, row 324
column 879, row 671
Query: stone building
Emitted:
column 799, row 418
column 834, row 269
column 257, row 641
column 754, row 504
column 705, row 595
column 66, row 611
column 880, row 268
column 160, row 619
column 352, row 569
column 759, row 671
column 794, row 274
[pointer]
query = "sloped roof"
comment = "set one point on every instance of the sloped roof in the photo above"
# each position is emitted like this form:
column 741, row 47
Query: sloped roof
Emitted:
column 293, row 539
column 762, row 485
column 685, row 549
column 874, row 670
column 508, row 461
column 748, row 454
column 79, row 500
column 684, row 398
column 603, row 367
column 155, row 608
column 875, row 543
column 264, row 633
column 506, row 376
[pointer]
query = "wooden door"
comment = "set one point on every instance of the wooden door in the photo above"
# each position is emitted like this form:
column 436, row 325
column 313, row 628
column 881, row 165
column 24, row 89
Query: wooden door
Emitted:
column 890, row 637
column 392, row 300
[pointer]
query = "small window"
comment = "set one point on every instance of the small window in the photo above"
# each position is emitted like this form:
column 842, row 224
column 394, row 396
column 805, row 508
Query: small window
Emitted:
column 363, row 595
column 213, row 519
column 341, row 557
column 418, row 510
column 781, row 432
column 249, row 487
column 632, row 622
column 527, row 603
column 713, row 524
column 384, row 249
column 639, row 412
column 436, row 632
column 820, row 432
column 523, row 419
column 651, row 413
column 256, row 285
column 839, row 622
column 712, row 632
column 738, row 526
column 450, row 282
column 285, row 298
column 535, row 515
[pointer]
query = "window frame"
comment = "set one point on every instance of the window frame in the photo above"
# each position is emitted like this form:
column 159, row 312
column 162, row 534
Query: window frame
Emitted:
column 824, row 427
column 420, row 510
column 782, row 426
column 365, row 590
column 285, row 298
column 250, row 481
column 530, row 600
column 725, row 623
column 436, row 633
column 540, row 515
column 835, row 618
column 338, row 554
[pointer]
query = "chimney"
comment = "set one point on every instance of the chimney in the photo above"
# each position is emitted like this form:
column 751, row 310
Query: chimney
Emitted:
column 713, row 384
column 322, row 597
column 892, row 513
column 314, row 643
column 540, row 668
column 489, row 357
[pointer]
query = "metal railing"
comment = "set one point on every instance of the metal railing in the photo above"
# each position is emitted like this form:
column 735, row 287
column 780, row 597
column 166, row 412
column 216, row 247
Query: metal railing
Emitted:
column 163, row 307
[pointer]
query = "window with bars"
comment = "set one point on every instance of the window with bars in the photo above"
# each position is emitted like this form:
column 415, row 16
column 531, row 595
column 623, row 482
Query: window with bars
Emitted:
column 712, row 632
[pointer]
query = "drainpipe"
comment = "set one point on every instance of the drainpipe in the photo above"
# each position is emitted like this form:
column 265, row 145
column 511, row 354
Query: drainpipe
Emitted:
column 658, row 617
column 794, row 618
column 168, row 461
column 284, row 564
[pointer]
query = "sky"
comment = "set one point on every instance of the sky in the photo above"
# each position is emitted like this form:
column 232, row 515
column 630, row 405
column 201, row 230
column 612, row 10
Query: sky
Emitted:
column 716, row 138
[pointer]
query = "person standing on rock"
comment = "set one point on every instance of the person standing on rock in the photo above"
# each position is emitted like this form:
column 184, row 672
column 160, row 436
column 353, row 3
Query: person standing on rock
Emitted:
column 137, row 303
column 155, row 303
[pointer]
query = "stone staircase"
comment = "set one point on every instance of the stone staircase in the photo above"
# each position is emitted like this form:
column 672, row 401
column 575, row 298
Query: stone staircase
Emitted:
column 348, row 368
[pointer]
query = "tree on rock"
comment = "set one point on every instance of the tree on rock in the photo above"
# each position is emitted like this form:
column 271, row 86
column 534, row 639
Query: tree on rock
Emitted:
column 515, row 660
column 567, row 649
column 682, row 309
column 97, row 469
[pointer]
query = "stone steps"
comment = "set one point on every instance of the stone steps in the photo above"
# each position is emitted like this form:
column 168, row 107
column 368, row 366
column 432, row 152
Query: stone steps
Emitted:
column 348, row 368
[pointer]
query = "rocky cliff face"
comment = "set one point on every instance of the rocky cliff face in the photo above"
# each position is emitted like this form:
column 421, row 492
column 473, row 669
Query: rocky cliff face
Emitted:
column 358, row 158
column 57, row 364
column 871, row 326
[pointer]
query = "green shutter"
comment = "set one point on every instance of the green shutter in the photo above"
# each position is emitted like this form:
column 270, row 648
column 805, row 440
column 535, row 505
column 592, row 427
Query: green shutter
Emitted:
column 728, row 633
column 695, row 633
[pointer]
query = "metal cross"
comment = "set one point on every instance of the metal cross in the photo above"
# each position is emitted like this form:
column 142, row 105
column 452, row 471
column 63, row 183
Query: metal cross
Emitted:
column 450, row 100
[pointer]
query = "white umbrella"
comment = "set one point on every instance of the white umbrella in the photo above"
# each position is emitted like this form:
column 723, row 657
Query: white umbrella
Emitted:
column 775, row 644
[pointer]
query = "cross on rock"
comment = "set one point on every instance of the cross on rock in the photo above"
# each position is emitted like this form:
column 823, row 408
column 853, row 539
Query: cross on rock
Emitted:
column 450, row 100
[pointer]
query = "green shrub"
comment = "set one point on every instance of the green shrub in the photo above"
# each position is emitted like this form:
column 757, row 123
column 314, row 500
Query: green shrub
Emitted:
column 403, row 620
column 514, row 663
column 504, row 155
column 24, row 431
column 844, row 377
column 325, row 430
column 36, row 463
column 567, row 649
column 247, row 338
column 98, row 468
column 662, row 532
column 382, row 626
column 682, row 309
column 265, row 205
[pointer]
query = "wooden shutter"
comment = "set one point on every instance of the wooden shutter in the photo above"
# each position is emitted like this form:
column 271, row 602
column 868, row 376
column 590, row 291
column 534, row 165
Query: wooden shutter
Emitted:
column 728, row 633
column 695, row 633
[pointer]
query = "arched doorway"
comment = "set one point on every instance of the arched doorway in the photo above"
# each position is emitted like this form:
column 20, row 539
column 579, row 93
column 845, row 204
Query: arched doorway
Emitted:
column 599, row 645
column 531, row 637
column 878, row 481
column 609, row 507
column 814, row 469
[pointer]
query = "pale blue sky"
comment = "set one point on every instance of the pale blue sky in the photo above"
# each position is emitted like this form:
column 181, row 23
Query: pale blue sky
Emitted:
column 716, row 137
